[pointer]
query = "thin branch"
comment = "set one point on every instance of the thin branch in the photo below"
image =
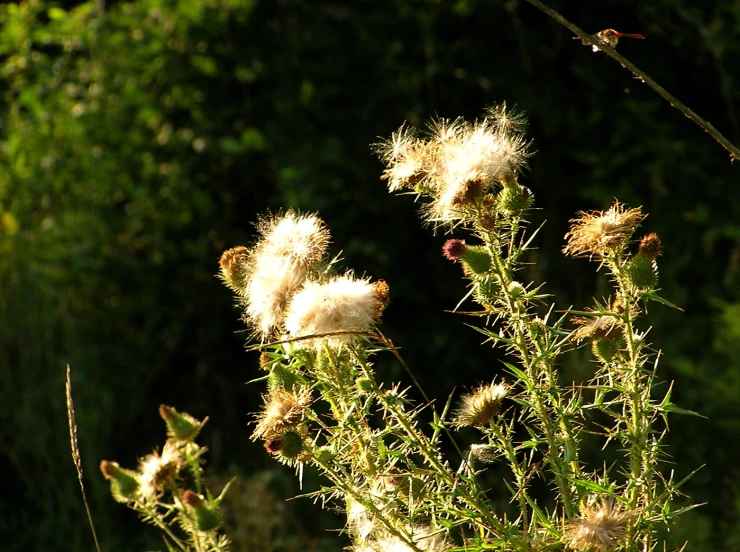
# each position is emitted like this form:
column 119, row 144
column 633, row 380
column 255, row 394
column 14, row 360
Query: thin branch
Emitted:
column 670, row 98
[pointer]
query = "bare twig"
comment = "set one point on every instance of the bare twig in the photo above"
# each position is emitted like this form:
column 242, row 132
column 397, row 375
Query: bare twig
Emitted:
column 76, row 452
column 609, row 51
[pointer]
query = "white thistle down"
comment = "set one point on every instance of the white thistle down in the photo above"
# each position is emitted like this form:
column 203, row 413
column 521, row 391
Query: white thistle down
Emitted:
column 155, row 470
column 470, row 160
column 458, row 163
column 423, row 538
column 343, row 304
column 279, row 264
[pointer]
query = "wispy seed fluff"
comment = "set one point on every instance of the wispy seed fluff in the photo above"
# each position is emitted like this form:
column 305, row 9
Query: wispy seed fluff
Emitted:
column 599, row 528
column 597, row 327
column 480, row 407
column 282, row 411
column 342, row 304
column 406, row 157
column 423, row 537
column 289, row 247
column 458, row 163
column 156, row 470
column 602, row 232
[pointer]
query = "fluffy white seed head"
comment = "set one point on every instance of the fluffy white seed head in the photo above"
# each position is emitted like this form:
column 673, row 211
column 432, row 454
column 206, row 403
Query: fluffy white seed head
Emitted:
column 406, row 156
column 343, row 304
column 458, row 163
column 290, row 247
column 273, row 282
column 470, row 160
column 600, row 527
column 423, row 537
column 302, row 239
column 156, row 470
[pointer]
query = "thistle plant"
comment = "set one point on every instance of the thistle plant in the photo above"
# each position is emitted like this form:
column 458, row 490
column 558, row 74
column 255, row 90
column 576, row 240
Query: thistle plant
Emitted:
column 394, row 475
column 167, row 488
column 324, row 407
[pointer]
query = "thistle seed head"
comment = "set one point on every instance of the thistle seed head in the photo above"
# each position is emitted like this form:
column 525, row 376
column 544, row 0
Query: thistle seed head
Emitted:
column 343, row 304
column 458, row 164
column 599, row 527
column 602, row 232
column 157, row 471
column 597, row 327
column 283, row 410
column 480, row 407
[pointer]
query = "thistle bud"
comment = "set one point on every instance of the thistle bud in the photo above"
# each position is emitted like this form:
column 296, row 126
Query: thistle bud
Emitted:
column 605, row 348
column 475, row 258
column 235, row 268
column 288, row 445
column 324, row 455
column 123, row 483
column 650, row 246
column 181, row 427
column 365, row 386
column 514, row 199
column 516, row 290
column 382, row 293
column 207, row 517
column 642, row 271
column 487, row 289
column 454, row 249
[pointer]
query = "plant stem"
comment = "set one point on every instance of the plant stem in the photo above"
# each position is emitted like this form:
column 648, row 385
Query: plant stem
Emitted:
column 642, row 77
column 154, row 515
column 521, row 339
column 638, row 401
column 505, row 442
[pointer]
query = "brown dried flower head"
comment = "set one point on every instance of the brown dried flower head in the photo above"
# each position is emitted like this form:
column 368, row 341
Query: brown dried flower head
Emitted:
column 599, row 528
column 234, row 265
column 650, row 246
column 478, row 408
column 602, row 232
column 282, row 411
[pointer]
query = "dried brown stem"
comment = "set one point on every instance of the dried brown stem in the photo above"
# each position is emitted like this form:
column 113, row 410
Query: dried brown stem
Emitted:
column 76, row 452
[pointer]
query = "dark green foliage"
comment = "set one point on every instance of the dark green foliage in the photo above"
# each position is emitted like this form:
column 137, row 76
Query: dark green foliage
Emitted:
column 137, row 145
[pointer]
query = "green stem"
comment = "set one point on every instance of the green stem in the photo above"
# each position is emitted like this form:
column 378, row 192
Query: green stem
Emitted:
column 638, row 402
column 151, row 511
column 519, row 472
column 521, row 338
column 339, row 477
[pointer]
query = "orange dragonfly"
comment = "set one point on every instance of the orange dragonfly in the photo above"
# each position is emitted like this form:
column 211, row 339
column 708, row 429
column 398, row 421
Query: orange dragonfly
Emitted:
column 610, row 37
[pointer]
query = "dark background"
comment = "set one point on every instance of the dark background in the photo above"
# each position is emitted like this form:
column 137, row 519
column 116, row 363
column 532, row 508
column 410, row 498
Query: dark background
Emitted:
column 136, row 146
